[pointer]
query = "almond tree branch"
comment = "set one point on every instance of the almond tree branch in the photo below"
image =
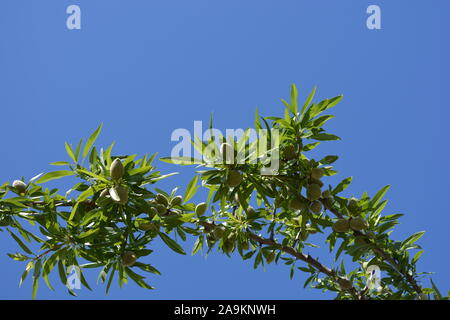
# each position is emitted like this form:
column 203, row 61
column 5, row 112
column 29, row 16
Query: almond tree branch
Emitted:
column 378, row 251
column 300, row 256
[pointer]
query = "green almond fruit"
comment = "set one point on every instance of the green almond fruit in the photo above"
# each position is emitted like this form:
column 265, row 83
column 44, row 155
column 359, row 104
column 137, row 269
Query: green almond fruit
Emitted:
column 119, row 194
column 6, row 221
column 129, row 258
column 146, row 226
column 234, row 179
column 358, row 224
column 289, row 152
column 245, row 245
column 178, row 200
column 313, row 192
column 353, row 207
column 316, row 181
column 342, row 225
column 228, row 246
column 297, row 204
column 270, row 256
column 161, row 208
column 317, row 173
column 218, row 232
column 210, row 240
column 345, row 284
column 326, row 194
column 327, row 202
column 315, row 206
column 20, row 186
column 200, row 209
column 153, row 211
column 162, row 199
column 227, row 153
column 422, row 296
column 116, row 169
column 251, row 211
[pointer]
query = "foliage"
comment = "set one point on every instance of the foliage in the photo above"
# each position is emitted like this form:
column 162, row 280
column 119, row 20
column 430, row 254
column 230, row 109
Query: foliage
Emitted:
column 101, row 222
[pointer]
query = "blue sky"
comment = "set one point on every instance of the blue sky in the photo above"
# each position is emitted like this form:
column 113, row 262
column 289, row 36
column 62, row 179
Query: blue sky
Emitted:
column 145, row 68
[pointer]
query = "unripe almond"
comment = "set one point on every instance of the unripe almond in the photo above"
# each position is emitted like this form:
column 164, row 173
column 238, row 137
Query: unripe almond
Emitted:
column 244, row 245
column 227, row 153
column 353, row 207
column 315, row 206
column 116, row 170
column 20, row 186
column 234, row 179
column 129, row 258
column 289, row 152
column 345, row 284
column 251, row 211
column 317, row 173
column 161, row 199
column 316, row 181
column 153, row 211
column 176, row 201
column 218, row 232
column 161, row 208
column 146, row 226
column 228, row 245
column 422, row 296
column 270, row 256
column 326, row 194
column 342, row 225
column 200, row 209
column 297, row 204
column 358, row 224
column 119, row 194
column 313, row 192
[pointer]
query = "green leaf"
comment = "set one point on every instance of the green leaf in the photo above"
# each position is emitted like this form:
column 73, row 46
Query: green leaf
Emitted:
column 198, row 245
column 147, row 268
column 62, row 272
column 59, row 163
column 77, row 151
column 411, row 239
column 54, row 175
column 35, row 288
column 93, row 175
column 85, row 194
column 417, row 256
column 324, row 137
column 294, row 99
column 21, row 244
column 342, row 185
column 191, row 189
column 379, row 195
column 329, row 159
column 91, row 140
column 183, row 161
column 308, row 100
column 437, row 294
column 70, row 152
column 138, row 279
column 171, row 243
column 28, row 268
